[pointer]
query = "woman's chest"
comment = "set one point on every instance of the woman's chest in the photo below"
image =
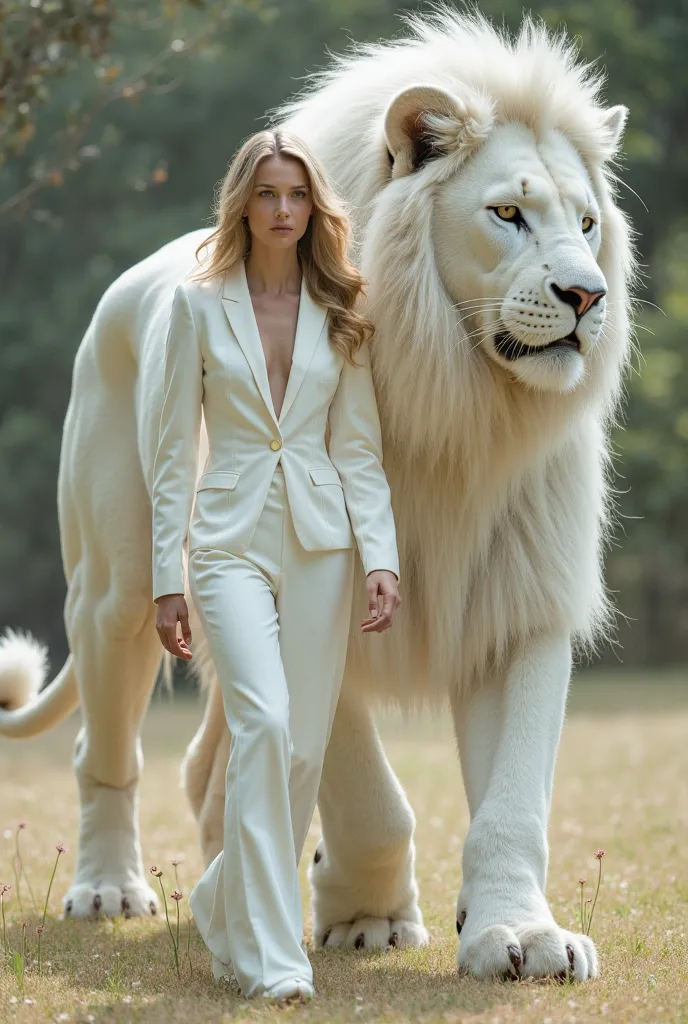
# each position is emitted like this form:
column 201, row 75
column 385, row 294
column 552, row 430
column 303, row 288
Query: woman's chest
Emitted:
column 276, row 320
column 246, row 366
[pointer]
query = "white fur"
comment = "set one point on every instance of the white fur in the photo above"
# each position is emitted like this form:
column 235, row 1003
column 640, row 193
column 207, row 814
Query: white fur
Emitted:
column 497, row 468
column 23, row 667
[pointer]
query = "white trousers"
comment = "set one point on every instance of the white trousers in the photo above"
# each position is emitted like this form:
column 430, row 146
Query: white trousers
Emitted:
column 276, row 620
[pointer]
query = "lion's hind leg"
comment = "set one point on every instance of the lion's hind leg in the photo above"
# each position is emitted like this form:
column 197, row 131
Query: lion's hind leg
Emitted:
column 362, row 877
column 110, row 620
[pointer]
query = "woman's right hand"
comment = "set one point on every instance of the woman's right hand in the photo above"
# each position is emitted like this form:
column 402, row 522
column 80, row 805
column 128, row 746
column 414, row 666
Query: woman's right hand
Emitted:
column 171, row 610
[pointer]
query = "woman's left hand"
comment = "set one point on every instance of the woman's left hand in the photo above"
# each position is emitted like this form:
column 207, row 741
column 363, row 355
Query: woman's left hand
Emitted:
column 381, row 583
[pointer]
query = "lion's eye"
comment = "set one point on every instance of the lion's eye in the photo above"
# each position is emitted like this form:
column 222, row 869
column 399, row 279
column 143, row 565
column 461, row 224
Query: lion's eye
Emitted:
column 507, row 212
column 587, row 225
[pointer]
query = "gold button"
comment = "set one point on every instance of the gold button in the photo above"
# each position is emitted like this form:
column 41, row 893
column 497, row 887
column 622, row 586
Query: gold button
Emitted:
column 276, row 445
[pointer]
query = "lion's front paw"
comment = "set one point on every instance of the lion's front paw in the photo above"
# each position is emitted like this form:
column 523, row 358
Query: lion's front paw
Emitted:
column 553, row 952
column 533, row 950
column 372, row 933
column 108, row 899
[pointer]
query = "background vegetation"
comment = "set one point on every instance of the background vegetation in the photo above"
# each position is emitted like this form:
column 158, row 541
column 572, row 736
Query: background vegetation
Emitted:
column 116, row 122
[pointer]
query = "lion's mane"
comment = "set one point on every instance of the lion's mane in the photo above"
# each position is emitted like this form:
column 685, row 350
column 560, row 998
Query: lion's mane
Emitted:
column 500, row 493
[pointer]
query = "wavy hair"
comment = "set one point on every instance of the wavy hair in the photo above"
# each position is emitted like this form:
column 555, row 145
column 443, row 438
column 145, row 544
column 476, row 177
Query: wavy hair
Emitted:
column 331, row 278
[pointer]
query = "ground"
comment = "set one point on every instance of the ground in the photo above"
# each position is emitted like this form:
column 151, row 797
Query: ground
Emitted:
column 621, row 785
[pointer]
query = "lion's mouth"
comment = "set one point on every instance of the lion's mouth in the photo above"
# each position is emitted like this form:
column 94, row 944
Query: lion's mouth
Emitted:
column 511, row 348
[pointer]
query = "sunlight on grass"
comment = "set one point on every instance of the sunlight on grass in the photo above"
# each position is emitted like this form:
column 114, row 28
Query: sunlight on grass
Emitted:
column 622, row 784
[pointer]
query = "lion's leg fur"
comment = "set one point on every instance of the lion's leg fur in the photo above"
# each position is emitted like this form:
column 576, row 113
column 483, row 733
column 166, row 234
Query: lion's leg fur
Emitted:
column 363, row 885
column 508, row 732
column 110, row 622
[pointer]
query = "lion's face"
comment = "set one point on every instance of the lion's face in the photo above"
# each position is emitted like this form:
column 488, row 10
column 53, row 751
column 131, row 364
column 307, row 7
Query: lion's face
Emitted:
column 517, row 233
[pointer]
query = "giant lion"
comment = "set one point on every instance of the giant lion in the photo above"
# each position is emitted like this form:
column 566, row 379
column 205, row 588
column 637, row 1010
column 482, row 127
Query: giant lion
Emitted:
column 479, row 172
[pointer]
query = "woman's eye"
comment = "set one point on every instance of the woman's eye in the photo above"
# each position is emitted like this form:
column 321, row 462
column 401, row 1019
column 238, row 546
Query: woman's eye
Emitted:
column 300, row 193
column 587, row 225
column 265, row 192
column 507, row 212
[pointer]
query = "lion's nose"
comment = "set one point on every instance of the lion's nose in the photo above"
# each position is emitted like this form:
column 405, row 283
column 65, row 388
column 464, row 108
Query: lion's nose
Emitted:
column 580, row 298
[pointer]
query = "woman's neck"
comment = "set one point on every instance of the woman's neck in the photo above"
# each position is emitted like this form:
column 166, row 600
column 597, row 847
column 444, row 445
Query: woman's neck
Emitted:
column 272, row 270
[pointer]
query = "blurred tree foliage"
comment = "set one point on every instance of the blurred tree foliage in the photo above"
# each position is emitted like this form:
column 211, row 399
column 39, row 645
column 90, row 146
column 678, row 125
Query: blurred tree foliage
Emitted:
column 118, row 119
column 40, row 40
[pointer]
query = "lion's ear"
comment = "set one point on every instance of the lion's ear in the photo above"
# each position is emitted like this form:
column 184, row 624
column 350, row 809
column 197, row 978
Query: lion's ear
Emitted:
column 423, row 122
column 612, row 123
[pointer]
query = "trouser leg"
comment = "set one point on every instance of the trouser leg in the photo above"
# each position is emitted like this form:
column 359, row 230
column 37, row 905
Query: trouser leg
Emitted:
column 314, row 607
column 277, row 622
column 247, row 904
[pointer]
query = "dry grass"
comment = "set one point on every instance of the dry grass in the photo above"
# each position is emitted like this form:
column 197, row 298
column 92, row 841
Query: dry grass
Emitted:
column 622, row 784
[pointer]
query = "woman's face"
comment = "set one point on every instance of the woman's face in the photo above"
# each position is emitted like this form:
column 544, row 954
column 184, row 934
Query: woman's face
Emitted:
column 281, row 202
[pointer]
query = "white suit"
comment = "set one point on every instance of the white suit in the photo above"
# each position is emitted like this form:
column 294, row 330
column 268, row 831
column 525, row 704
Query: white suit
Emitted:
column 271, row 547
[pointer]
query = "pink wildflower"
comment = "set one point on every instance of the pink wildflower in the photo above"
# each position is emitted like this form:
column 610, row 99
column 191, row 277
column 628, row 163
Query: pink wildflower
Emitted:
column 176, row 895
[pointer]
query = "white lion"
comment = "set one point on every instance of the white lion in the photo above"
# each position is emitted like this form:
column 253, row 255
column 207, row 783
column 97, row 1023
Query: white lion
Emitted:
column 478, row 169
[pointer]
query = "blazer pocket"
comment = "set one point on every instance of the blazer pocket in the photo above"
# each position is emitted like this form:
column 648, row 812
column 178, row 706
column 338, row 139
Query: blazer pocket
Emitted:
column 213, row 498
column 325, row 475
column 218, row 478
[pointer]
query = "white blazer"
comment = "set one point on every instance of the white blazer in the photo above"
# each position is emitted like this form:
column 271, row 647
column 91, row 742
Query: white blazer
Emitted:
column 214, row 364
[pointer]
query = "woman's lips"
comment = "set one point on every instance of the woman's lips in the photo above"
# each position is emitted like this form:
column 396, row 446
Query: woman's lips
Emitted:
column 284, row 230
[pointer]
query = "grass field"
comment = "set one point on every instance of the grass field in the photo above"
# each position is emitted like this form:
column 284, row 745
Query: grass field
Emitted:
column 621, row 784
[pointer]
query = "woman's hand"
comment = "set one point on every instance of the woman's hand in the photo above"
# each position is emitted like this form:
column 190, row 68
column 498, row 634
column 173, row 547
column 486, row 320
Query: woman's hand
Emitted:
column 381, row 583
column 171, row 610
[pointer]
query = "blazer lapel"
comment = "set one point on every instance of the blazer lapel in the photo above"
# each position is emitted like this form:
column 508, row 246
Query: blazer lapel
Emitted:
column 236, row 300
column 309, row 327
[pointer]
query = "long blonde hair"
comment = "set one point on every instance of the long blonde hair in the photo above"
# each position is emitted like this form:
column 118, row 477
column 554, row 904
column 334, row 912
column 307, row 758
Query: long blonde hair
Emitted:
column 331, row 278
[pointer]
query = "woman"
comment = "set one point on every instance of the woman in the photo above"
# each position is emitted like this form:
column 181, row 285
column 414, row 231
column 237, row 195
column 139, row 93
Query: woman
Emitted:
column 266, row 340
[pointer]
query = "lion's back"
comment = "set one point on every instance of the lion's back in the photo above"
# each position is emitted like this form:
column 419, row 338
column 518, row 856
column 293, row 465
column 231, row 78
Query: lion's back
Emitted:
column 142, row 295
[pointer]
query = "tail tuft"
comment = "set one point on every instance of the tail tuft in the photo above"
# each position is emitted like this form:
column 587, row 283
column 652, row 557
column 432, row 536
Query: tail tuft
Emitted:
column 23, row 668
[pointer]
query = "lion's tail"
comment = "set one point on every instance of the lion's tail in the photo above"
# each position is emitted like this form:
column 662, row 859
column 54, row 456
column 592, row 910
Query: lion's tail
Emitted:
column 24, row 711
